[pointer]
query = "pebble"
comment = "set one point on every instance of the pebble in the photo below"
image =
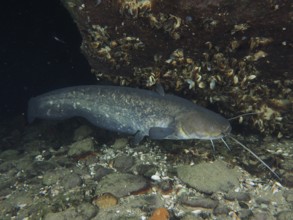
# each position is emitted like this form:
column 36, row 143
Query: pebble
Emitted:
column 160, row 214
column 147, row 170
column 287, row 165
column 123, row 163
column 288, row 179
column 245, row 213
column 120, row 184
column 9, row 155
column 120, row 143
column 83, row 211
column 239, row 196
column 64, row 162
column 262, row 200
column 243, row 205
column 191, row 217
column 52, row 177
column 221, row 210
column 81, row 147
column 200, row 202
column 71, row 180
column 165, row 186
column 105, row 201
column 285, row 215
column 100, row 172
column 262, row 216
column 42, row 166
column 82, row 132
column 87, row 210
column 209, row 177
column 6, row 166
column 288, row 194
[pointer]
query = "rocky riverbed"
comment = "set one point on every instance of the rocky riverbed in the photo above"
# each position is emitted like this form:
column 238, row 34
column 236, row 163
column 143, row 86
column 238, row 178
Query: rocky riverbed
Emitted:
column 69, row 169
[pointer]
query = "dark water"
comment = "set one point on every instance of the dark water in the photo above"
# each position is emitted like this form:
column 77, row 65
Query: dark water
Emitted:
column 39, row 52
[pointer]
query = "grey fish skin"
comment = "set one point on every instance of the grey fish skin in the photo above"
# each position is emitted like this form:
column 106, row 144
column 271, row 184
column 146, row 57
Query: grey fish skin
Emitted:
column 131, row 111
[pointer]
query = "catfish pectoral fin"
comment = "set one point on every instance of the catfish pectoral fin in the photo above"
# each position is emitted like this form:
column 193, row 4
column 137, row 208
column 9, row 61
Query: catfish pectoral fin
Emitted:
column 160, row 90
column 137, row 138
column 160, row 133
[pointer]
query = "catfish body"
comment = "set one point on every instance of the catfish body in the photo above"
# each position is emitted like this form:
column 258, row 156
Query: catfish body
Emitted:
column 131, row 111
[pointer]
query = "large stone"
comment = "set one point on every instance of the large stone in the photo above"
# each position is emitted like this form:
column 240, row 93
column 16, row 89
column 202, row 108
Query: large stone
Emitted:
column 209, row 177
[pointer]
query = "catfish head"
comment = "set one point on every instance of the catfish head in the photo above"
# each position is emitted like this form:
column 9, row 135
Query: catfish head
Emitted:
column 201, row 124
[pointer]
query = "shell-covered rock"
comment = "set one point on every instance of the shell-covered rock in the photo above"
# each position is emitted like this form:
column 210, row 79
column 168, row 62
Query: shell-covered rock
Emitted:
column 198, row 49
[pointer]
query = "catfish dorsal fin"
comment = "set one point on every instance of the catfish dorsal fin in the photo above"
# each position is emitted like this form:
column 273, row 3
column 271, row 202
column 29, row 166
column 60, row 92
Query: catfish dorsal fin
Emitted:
column 159, row 89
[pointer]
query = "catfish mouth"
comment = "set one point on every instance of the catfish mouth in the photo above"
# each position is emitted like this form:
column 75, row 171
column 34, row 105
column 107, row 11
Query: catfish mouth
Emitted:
column 226, row 131
column 206, row 135
column 217, row 135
